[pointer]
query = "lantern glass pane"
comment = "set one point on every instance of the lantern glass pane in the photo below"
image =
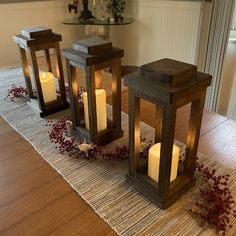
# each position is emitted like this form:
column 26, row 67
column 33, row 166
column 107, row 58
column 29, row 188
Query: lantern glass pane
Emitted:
column 183, row 125
column 151, row 143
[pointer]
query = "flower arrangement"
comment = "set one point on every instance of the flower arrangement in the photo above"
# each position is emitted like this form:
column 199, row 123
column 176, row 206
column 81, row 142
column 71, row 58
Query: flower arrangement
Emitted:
column 116, row 8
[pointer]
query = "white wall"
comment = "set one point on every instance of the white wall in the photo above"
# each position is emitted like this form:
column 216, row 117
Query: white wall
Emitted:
column 227, row 95
column 15, row 16
column 161, row 29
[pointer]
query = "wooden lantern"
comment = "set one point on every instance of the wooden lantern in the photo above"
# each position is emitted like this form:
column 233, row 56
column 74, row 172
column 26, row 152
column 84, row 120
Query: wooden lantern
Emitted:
column 169, row 85
column 37, row 39
column 93, row 55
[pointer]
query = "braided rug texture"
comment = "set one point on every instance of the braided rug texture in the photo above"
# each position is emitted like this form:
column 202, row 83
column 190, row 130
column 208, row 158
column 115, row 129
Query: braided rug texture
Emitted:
column 103, row 184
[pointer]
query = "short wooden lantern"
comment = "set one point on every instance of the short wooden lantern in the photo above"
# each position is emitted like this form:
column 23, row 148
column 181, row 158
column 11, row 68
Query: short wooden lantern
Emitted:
column 169, row 85
column 36, row 39
column 93, row 55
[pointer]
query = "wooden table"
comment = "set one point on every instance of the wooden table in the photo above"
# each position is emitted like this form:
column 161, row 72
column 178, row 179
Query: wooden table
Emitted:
column 37, row 200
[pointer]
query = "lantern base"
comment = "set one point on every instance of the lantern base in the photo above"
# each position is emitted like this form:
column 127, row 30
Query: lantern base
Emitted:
column 149, row 188
column 51, row 107
column 102, row 138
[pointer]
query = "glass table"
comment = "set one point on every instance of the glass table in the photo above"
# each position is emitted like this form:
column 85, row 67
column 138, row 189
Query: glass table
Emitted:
column 98, row 27
column 92, row 21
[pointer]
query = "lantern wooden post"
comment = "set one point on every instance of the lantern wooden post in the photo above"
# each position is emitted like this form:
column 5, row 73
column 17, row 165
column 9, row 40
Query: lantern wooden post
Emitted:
column 41, row 39
column 169, row 85
column 93, row 55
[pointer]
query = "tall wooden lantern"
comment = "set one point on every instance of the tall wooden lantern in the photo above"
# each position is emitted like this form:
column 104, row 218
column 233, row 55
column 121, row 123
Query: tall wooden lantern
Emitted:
column 169, row 85
column 35, row 39
column 93, row 55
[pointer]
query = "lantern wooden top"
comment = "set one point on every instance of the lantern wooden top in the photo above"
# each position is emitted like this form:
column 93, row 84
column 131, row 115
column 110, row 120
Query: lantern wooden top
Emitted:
column 169, row 71
column 36, row 36
column 155, row 90
column 36, row 32
column 93, row 46
column 92, row 51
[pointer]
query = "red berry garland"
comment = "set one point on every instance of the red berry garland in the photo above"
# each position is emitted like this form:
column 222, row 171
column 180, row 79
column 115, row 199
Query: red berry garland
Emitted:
column 16, row 92
column 60, row 135
column 216, row 206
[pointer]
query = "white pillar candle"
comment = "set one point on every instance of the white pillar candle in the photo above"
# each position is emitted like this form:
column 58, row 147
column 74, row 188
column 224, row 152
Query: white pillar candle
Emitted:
column 94, row 3
column 154, row 162
column 100, row 95
column 48, row 86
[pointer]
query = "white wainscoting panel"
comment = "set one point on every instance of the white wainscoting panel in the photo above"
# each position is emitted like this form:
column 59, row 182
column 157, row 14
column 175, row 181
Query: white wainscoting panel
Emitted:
column 161, row 29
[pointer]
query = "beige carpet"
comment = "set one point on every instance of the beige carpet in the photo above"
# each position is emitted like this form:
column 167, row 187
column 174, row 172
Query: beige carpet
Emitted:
column 102, row 184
